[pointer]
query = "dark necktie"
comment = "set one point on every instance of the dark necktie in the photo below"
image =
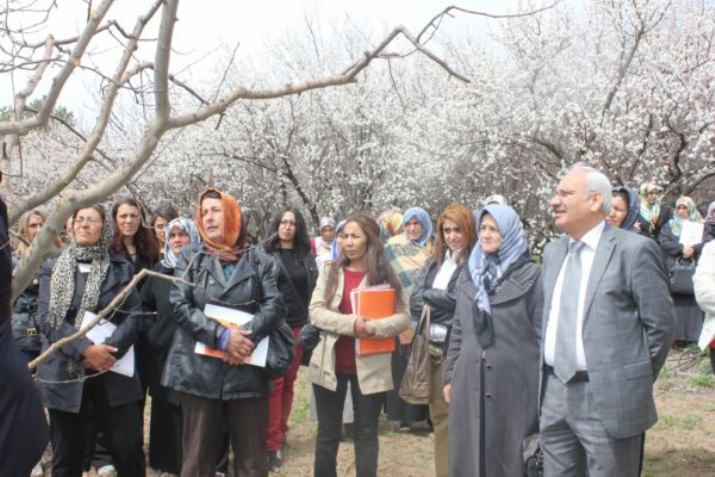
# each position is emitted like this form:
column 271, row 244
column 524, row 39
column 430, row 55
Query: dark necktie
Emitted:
column 566, row 333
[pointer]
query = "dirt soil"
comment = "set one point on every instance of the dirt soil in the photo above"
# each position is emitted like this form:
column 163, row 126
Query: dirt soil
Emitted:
column 681, row 444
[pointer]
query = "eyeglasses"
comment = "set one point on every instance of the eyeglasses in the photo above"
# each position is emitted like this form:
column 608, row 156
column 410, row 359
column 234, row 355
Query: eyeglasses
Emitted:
column 88, row 220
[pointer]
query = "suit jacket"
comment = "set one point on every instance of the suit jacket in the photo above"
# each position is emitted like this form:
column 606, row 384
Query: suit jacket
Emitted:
column 627, row 328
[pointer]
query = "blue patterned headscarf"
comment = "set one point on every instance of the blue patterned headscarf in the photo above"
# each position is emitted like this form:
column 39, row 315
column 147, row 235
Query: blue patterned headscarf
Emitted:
column 188, row 227
column 334, row 252
column 492, row 266
column 423, row 218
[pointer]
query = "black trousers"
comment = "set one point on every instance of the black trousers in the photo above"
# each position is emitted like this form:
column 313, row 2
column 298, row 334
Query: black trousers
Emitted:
column 329, row 405
column 121, row 426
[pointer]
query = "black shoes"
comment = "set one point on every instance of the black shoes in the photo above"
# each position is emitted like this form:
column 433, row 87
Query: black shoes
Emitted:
column 275, row 461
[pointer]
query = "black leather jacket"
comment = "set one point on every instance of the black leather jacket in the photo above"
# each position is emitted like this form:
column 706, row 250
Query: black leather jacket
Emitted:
column 443, row 302
column 250, row 288
column 25, row 328
column 128, row 318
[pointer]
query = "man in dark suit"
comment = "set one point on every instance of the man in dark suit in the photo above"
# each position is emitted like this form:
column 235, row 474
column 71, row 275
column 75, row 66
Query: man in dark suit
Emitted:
column 607, row 332
column 23, row 428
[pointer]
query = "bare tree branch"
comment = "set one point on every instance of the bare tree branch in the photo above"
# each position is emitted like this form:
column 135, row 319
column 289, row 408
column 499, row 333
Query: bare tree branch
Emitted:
column 25, row 126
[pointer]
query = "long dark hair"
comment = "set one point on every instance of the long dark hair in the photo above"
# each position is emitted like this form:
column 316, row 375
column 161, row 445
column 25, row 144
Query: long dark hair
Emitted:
column 144, row 240
column 301, row 241
column 379, row 270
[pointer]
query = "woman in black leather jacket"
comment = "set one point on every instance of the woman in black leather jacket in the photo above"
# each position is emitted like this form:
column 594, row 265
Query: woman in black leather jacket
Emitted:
column 214, row 391
column 436, row 288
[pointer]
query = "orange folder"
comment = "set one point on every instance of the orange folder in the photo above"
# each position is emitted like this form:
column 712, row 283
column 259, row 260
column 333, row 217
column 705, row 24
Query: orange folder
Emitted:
column 373, row 304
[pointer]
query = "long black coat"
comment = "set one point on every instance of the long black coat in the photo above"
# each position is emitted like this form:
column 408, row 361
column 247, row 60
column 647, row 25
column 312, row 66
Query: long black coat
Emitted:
column 24, row 433
column 120, row 389
column 250, row 288
column 509, row 371
column 161, row 331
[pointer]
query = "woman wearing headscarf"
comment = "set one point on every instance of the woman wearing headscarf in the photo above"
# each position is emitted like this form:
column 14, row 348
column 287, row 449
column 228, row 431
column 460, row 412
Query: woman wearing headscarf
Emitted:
column 320, row 246
column 165, row 429
column 437, row 289
column 653, row 215
column 391, row 223
column 335, row 363
column 289, row 246
column 75, row 381
column 688, row 316
column 216, row 391
column 492, row 364
column 625, row 209
column 408, row 253
column 710, row 224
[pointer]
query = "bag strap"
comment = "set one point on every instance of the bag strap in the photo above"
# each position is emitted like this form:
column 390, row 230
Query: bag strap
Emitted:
column 424, row 319
column 283, row 268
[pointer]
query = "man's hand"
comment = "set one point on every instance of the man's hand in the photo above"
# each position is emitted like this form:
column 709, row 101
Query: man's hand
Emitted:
column 99, row 357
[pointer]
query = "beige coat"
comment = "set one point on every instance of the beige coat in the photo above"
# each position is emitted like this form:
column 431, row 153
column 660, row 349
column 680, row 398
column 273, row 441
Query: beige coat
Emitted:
column 374, row 372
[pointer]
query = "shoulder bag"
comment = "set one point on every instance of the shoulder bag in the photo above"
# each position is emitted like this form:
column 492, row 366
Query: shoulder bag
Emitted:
column 416, row 382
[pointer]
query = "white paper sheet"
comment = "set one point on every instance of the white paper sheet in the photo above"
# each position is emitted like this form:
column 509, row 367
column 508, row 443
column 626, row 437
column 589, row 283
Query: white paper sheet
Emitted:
column 99, row 335
column 691, row 233
column 237, row 318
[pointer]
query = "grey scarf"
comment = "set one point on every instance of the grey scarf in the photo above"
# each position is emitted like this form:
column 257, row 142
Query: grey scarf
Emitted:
column 63, row 277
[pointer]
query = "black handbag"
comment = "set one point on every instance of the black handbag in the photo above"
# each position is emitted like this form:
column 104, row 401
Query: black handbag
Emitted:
column 681, row 277
column 24, row 324
column 280, row 351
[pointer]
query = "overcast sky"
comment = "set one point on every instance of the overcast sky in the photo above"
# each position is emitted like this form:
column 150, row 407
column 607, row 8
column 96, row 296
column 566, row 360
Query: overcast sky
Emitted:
column 207, row 27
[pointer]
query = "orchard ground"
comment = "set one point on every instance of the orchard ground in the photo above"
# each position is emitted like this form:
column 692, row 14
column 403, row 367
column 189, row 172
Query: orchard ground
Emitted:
column 681, row 444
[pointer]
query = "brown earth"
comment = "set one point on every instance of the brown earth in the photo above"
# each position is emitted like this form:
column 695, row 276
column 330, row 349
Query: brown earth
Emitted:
column 681, row 444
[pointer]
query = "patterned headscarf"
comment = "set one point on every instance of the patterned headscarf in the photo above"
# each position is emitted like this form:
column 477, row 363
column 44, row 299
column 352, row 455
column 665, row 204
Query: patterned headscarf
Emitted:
column 227, row 250
column 423, row 218
column 187, row 226
column 676, row 223
column 390, row 222
column 648, row 212
column 63, row 276
column 487, row 269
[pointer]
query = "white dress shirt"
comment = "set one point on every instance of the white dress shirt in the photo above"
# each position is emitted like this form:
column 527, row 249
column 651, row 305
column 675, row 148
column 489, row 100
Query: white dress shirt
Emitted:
column 590, row 241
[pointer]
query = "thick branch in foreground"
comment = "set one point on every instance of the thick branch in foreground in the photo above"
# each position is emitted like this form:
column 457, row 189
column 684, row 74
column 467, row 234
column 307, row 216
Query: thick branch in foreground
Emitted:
column 121, row 76
column 58, row 83
column 102, row 315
